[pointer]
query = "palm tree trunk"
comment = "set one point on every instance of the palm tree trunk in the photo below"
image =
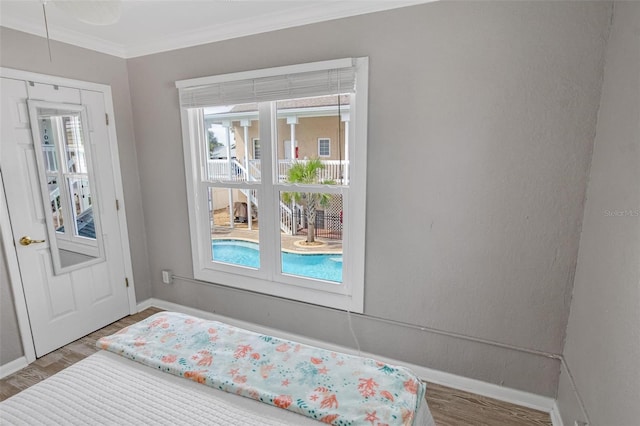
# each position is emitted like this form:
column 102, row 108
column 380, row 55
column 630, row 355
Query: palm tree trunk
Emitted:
column 311, row 231
column 311, row 218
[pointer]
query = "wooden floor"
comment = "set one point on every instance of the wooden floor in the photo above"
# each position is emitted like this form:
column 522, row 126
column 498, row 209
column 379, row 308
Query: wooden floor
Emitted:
column 450, row 407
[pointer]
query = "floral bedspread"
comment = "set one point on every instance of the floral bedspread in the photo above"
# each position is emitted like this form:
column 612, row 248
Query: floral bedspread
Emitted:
column 334, row 388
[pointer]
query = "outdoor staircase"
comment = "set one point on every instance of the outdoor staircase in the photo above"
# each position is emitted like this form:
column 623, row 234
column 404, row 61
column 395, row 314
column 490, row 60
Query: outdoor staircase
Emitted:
column 287, row 222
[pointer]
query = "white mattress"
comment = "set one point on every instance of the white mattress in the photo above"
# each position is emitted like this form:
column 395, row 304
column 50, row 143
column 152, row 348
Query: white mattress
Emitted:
column 110, row 390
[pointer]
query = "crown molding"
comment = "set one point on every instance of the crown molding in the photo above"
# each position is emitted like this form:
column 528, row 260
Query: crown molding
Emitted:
column 65, row 36
column 303, row 15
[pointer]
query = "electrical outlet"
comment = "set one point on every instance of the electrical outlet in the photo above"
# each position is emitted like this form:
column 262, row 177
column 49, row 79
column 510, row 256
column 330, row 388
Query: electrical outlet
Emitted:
column 167, row 276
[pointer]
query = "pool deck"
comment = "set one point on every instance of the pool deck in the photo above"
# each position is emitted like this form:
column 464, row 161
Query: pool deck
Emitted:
column 240, row 232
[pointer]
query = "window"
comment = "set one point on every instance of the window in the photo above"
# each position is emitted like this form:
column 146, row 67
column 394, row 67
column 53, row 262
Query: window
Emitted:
column 285, row 220
column 324, row 147
column 256, row 149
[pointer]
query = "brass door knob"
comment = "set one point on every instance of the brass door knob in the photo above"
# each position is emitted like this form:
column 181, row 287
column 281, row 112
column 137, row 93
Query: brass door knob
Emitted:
column 25, row 241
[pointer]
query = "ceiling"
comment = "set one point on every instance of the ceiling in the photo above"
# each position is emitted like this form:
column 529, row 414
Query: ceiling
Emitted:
column 151, row 26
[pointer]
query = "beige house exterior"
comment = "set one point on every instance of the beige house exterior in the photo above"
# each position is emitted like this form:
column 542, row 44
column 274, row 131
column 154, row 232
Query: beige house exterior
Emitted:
column 305, row 121
column 307, row 133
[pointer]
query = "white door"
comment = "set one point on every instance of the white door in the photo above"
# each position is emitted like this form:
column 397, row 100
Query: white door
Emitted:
column 70, row 300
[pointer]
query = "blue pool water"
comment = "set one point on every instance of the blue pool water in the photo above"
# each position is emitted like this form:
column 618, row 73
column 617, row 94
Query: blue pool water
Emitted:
column 321, row 266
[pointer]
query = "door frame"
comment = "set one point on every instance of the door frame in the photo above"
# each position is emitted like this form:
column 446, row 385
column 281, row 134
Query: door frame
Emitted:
column 8, row 239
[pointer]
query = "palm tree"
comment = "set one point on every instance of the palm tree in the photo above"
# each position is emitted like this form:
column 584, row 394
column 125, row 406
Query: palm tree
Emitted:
column 306, row 173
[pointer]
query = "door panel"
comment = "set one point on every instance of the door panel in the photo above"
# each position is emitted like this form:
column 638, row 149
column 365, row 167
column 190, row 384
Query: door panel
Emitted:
column 27, row 161
column 51, row 93
column 59, row 292
column 63, row 307
column 101, row 289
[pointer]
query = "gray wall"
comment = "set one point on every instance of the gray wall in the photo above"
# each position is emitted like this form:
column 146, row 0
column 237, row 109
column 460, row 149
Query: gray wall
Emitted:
column 10, row 343
column 481, row 126
column 27, row 52
column 603, row 338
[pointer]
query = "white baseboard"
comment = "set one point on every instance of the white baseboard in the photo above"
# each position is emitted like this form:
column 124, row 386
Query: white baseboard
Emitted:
column 13, row 366
column 556, row 418
column 514, row 396
column 145, row 304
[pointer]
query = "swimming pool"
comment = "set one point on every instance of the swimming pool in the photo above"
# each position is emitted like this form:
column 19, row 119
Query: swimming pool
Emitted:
column 321, row 266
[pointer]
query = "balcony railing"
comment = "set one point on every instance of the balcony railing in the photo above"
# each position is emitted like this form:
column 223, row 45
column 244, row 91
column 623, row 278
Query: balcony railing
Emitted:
column 234, row 170
column 290, row 220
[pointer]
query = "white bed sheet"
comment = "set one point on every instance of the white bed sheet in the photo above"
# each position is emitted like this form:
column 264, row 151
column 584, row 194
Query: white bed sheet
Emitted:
column 107, row 389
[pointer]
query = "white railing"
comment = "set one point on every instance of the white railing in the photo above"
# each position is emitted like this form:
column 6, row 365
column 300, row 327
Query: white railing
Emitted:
column 334, row 170
column 286, row 219
column 226, row 170
column 55, row 211
column 219, row 170
column 76, row 157
column 254, row 170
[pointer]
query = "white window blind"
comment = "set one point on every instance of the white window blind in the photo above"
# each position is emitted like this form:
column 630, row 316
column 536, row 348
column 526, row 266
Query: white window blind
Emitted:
column 272, row 88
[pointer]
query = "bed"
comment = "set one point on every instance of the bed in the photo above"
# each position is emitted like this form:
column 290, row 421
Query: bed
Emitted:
column 141, row 377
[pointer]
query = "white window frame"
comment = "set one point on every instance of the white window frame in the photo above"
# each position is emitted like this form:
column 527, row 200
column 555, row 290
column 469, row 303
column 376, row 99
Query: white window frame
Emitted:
column 269, row 279
column 328, row 140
